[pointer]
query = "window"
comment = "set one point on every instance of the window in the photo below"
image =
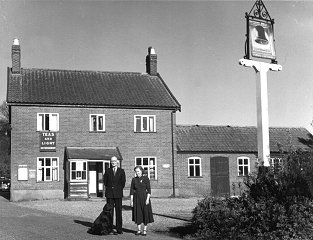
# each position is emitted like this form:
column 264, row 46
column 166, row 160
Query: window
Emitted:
column 47, row 122
column 144, row 123
column 276, row 164
column 79, row 171
column 97, row 122
column 194, row 167
column 243, row 164
column 47, row 169
column 149, row 165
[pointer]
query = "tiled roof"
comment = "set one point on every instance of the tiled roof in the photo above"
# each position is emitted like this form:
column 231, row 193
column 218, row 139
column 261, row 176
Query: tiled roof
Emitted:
column 67, row 87
column 235, row 139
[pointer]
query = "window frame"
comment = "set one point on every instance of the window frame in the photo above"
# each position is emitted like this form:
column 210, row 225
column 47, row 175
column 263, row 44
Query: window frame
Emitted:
column 51, row 167
column 86, row 174
column 148, row 123
column 91, row 126
column 243, row 165
column 41, row 122
column 194, row 164
column 149, row 166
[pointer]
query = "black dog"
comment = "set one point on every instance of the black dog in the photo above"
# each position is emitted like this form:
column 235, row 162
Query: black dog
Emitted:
column 103, row 225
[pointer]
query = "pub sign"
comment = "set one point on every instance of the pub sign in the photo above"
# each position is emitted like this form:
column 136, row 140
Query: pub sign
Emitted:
column 47, row 141
column 260, row 33
column 261, row 39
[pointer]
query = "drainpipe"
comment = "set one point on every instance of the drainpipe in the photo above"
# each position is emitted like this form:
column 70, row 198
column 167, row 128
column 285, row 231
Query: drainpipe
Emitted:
column 173, row 153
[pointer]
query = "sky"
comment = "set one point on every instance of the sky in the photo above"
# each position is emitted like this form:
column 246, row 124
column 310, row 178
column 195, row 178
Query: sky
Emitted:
column 198, row 44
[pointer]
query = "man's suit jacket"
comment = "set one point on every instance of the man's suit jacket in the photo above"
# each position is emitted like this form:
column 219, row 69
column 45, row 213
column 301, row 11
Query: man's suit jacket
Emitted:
column 114, row 184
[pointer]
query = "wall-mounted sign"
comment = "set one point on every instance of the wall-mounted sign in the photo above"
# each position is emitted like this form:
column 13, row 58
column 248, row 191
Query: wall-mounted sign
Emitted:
column 261, row 39
column 47, row 141
column 22, row 173
column 32, row 173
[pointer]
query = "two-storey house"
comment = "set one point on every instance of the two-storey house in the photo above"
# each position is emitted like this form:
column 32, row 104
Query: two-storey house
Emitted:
column 67, row 124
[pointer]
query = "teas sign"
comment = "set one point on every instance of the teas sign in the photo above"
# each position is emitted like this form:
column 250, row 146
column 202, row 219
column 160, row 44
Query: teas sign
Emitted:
column 47, row 141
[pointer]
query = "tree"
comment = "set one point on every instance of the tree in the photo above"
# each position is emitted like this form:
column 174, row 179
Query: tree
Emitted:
column 5, row 141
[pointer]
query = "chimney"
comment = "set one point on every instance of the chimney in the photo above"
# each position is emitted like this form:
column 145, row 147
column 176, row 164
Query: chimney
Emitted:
column 16, row 57
column 151, row 62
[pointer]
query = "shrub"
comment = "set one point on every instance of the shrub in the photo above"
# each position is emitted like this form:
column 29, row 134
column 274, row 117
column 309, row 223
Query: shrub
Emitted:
column 275, row 206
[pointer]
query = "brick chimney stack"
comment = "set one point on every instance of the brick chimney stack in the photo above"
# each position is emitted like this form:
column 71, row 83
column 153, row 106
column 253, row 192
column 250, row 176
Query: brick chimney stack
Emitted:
column 16, row 57
column 151, row 62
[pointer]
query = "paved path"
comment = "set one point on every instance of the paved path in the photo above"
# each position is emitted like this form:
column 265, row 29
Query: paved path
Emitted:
column 21, row 223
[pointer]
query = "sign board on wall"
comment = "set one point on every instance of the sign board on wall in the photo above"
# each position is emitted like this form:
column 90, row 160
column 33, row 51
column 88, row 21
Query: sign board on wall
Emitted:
column 22, row 173
column 47, row 141
column 261, row 39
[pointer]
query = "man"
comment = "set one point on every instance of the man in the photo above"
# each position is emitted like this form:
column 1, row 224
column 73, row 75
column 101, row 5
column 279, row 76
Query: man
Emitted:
column 114, row 181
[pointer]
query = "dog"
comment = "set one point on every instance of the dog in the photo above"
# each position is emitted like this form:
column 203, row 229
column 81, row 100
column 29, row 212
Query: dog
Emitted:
column 103, row 225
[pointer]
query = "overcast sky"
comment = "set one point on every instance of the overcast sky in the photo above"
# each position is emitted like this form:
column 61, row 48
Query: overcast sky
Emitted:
column 198, row 46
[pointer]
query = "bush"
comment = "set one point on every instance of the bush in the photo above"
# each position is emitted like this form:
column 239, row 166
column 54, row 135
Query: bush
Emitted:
column 275, row 206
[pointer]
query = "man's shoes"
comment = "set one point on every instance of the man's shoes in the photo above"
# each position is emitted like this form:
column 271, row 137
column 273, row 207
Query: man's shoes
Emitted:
column 144, row 233
column 138, row 233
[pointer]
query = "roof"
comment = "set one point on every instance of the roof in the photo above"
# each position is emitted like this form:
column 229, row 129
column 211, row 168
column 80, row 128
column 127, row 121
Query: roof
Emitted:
column 69, row 87
column 235, row 139
column 93, row 153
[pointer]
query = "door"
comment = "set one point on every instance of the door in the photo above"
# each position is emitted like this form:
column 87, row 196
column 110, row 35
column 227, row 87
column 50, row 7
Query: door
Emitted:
column 92, row 178
column 220, row 176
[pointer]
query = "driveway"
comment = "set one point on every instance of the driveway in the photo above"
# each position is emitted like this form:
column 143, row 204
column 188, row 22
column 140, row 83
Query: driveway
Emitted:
column 58, row 219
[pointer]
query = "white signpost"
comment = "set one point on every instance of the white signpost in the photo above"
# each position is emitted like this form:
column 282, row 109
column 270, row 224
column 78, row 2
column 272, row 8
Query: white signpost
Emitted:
column 260, row 42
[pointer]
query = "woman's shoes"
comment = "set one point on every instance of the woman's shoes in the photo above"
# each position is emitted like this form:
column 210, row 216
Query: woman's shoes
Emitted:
column 138, row 233
column 144, row 233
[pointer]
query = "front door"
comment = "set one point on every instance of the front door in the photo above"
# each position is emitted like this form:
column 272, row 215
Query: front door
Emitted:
column 96, row 170
column 220, row 176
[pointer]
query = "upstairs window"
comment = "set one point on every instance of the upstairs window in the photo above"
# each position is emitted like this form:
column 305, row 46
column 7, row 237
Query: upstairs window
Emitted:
column 144, row 123
column 149, row 166
column 243, row 164
column 97, row 122
column 47, row 169
column 194, row 167
column 47, row 122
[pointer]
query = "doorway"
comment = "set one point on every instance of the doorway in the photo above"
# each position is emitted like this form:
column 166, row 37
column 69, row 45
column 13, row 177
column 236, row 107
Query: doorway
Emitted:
column 95, row 178
column 220, row 176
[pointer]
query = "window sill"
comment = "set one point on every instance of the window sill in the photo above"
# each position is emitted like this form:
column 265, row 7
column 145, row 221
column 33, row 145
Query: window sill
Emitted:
column 195, row 177
column 97, row 131
column 145, row 132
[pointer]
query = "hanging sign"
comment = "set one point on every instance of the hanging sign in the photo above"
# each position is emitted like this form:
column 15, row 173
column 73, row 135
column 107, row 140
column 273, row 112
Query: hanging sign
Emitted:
column 261, row 39
column 47, row 141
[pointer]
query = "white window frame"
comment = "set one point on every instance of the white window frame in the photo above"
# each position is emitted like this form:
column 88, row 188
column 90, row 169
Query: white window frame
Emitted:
column 53, row 122
column 151, row 123
column 54, row 169
column 149, row 167
column 272, row 163
column 82, row 162
column 91, row 117
column 243, row 165
column 194, row 164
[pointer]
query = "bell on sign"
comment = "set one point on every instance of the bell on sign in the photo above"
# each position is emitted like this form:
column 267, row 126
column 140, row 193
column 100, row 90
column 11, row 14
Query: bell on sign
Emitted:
column 261, row 37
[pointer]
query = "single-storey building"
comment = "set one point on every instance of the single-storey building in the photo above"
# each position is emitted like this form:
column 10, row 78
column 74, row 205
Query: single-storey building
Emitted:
column 212, row 160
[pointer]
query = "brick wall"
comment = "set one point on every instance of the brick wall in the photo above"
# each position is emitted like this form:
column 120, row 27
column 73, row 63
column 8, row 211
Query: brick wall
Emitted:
column 74, row 132
column 199, row 186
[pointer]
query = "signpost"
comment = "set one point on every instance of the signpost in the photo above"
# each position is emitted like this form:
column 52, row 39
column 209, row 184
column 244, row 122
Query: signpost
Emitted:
column 260, row 44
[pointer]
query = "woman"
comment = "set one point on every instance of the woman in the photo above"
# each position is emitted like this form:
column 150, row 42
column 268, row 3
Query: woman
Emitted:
column 140, row 193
